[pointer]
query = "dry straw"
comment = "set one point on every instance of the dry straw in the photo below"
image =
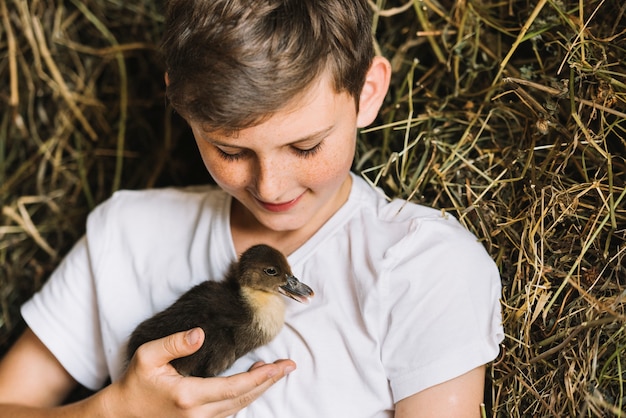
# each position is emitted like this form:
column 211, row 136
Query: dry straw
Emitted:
column 509, row 115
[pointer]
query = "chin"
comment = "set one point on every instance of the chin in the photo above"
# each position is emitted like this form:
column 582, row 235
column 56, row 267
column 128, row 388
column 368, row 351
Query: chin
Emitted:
column 282, row 223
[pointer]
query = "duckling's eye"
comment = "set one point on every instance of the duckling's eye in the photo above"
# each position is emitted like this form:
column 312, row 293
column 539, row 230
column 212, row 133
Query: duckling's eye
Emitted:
column 270, row 271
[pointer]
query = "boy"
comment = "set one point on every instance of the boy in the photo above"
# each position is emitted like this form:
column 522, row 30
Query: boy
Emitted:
column 274, row 91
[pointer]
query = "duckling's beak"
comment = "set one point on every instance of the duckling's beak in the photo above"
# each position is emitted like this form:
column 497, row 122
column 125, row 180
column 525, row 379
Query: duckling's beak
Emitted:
column 296, row 290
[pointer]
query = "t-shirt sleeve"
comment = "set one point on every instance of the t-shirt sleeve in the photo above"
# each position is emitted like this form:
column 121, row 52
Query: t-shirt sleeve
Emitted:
column 141, row 250
column 64, row 317
column 443, row 309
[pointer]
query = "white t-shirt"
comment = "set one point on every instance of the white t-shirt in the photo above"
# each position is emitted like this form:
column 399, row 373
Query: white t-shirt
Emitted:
column 405, row 297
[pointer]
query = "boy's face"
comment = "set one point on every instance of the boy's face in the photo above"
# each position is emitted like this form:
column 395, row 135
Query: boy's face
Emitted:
column 291, row 171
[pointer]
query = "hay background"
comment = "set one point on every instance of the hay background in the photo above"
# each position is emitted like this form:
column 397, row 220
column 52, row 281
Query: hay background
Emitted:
column 509, row 115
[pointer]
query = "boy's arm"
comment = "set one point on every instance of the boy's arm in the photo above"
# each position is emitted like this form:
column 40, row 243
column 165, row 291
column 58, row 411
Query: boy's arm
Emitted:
column 33, row 383
column 460, row 397
column 31, row 373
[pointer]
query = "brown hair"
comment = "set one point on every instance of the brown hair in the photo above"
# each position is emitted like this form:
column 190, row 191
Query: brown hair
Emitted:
column 233, row 63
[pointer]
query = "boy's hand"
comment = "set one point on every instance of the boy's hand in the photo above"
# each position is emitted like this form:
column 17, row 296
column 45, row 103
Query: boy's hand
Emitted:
column 151, row 387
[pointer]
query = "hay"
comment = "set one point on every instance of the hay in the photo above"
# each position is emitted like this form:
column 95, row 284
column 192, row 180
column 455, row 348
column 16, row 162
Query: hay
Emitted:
column 527, row 150
column 509, row 115
column 83, row 114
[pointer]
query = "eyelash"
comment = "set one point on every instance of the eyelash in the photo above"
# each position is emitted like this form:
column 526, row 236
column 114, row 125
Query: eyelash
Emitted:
column 306, row 153
column 230, row 157
column 302, row 153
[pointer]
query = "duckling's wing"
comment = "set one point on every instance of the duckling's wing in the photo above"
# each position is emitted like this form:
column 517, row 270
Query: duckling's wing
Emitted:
column 215, row 307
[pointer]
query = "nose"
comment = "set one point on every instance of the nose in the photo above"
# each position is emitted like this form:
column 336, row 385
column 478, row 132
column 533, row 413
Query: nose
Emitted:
column 270, row 179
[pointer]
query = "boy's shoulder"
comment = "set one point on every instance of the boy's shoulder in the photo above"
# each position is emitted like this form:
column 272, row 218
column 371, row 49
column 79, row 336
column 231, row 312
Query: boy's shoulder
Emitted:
column 407, row 227
column 170, row 192
column 158, row 199
column 397, row 210
column 152, row 208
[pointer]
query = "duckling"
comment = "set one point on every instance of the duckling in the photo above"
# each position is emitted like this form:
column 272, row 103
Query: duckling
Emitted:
column 240, row 313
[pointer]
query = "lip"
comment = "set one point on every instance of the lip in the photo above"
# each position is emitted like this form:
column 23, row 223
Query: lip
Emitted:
column 280, row 207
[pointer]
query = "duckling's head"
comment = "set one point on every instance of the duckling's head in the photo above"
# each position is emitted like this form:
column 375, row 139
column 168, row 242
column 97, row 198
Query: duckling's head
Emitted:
column 266, row 269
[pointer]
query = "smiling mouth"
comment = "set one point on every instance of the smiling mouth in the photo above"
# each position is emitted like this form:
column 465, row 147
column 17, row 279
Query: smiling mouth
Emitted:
column 280, row 207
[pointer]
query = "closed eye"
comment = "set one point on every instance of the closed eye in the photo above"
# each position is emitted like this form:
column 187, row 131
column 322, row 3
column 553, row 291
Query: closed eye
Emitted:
column 230, row 156
column 308, row 152
column 233, row 155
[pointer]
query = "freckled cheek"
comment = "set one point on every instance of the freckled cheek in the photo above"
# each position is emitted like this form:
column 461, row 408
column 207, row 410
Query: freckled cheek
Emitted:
column 227, row 174
column 330, row 169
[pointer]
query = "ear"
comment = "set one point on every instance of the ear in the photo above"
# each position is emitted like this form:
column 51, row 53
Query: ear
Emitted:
column 167, row 79
column 374, row 91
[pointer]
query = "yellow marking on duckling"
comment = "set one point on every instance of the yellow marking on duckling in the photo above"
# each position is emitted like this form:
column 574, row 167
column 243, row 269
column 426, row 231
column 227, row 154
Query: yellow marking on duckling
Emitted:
column 268, row 311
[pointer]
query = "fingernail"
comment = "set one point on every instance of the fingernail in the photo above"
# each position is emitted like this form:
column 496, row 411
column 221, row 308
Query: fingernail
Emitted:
column 193, row 336
column 289, row 369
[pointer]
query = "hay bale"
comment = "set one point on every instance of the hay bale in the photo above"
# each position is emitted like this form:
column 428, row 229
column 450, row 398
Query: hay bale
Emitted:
column 508, row 115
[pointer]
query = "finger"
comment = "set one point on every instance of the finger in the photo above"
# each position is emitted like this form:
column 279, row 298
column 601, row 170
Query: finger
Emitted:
column 241, row 389
column 245, row 399
column 160, row 352
column 256, row 365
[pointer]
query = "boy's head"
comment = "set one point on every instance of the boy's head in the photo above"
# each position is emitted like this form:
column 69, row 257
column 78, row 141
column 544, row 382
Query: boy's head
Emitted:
column 233, row 63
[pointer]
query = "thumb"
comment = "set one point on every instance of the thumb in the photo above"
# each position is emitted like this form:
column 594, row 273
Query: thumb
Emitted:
column 162, row 351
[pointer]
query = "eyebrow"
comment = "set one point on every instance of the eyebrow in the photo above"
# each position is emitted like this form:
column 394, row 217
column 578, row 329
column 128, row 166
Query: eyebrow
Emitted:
column 311, row 137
